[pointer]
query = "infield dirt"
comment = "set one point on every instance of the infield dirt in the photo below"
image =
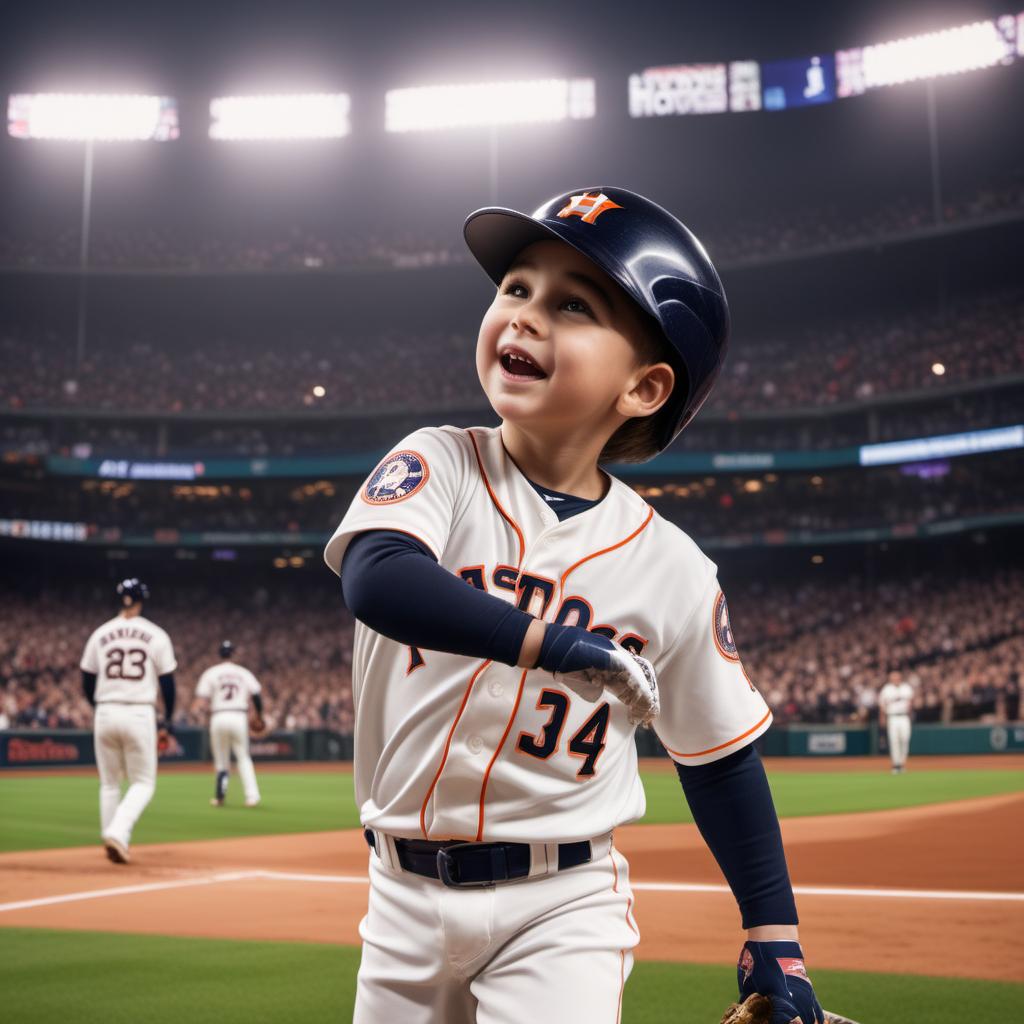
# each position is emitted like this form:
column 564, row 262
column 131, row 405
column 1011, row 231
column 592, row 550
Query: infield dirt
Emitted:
column 971, row 847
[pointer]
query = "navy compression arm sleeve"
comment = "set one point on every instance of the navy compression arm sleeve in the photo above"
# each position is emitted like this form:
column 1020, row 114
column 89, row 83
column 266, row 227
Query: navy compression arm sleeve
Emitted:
column 732, row 806
column 393, row 584
column 168, row 690
column 89, row 686
column 257, row 703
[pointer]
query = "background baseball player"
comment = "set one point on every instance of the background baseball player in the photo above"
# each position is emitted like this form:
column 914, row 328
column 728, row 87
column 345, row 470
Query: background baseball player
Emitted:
column 494, row 738
column 895, row 706
column 227, row 688
column 124, row 662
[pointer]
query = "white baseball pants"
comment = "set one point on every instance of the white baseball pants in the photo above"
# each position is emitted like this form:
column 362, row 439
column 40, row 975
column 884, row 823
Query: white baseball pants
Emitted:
column 125, row 740
column 897, row 728
column 229, row 733
column 554, row 949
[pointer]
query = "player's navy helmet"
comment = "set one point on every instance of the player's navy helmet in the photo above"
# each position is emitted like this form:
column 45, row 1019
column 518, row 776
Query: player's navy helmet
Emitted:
column 653, row 257
column 132, row 590
column 226, row 649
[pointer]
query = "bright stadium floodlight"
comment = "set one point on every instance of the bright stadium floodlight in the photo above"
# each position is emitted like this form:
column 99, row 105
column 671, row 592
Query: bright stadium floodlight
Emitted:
column 489, row 104
column 280, row 117
column 954, row 50
column 91, row 117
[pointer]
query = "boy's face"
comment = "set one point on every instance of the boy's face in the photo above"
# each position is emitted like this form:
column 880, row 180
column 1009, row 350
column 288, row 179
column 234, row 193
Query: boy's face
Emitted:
column 554, row 346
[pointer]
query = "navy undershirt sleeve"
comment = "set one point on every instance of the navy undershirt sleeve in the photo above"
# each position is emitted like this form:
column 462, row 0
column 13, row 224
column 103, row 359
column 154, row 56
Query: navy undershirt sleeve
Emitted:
column 89, row 686
column 732, row 806
column 167, row 689
column 394, row 585
column 257, row 703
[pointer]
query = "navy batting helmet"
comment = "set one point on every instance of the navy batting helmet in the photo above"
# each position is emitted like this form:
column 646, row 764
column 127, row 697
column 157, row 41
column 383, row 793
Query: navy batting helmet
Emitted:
column 132, row 590
column 653, row 257
column 226, row 649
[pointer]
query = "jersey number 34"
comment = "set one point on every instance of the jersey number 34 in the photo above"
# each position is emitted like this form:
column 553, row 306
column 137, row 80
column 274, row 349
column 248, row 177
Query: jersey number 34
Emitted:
column 588, row 742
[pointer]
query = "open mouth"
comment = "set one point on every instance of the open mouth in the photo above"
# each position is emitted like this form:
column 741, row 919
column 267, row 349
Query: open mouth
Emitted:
column 517, row 365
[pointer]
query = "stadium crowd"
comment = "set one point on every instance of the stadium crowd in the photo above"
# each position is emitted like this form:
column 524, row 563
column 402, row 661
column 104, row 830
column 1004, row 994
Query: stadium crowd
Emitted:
column 818, row 651
column 294, row 247
column 298, row 643
column 978, row 338
column 32, row 436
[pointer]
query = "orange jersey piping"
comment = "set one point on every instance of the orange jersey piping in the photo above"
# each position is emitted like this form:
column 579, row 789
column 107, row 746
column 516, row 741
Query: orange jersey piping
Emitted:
column 722, row 746
column 501, row 743
column 586, row 558
column 497, row 504
column 447, row 748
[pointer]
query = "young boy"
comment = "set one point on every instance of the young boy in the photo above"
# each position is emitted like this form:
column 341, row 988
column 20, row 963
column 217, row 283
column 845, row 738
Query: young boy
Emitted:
column 489, row 791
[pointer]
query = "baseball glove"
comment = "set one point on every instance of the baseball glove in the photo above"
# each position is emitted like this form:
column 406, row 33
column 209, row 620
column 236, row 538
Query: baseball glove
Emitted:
column 757, row 1009
column 163, row 740
column 257, row 726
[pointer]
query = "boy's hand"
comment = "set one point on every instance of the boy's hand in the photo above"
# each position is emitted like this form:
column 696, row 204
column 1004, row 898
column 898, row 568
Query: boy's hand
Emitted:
column 776, row 970
column 589, row 664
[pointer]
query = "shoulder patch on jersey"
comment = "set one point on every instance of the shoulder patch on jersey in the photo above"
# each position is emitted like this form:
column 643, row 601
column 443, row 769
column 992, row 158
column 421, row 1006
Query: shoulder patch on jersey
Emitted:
column 398, row 477
column 721, row 629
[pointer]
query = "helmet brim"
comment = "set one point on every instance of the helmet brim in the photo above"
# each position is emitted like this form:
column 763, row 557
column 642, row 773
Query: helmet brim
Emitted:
column 496, row 236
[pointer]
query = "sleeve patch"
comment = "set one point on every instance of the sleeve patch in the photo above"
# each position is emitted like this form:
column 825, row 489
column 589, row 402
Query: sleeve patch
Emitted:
column 722, row 630
column 398, row 477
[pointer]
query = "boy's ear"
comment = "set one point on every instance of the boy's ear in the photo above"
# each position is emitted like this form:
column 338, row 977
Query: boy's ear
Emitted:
column 649, row 393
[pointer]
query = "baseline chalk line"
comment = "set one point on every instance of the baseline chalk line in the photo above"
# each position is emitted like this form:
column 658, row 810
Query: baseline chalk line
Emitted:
column 799, row 890
column 664, row 887
column 127, row 890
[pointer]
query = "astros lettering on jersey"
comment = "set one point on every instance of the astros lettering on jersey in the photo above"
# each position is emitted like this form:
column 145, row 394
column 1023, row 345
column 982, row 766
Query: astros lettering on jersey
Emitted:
column 449, row 748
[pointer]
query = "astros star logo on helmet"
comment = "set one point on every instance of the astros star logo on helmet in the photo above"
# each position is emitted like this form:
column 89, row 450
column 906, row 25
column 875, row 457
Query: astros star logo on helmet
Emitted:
column 588, row 207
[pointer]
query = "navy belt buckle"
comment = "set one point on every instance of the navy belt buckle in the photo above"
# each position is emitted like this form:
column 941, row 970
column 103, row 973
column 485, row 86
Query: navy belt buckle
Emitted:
column 448, row 866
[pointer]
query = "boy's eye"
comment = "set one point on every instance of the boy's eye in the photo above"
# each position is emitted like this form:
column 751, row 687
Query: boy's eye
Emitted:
column 577, row 306
column 516, row 289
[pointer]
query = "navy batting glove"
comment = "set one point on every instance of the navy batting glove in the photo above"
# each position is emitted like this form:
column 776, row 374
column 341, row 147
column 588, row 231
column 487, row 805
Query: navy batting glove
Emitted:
column 569, row 649
column 776, row 970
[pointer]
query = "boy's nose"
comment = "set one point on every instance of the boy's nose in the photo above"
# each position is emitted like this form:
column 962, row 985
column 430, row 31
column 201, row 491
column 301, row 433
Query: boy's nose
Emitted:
column 526, row 321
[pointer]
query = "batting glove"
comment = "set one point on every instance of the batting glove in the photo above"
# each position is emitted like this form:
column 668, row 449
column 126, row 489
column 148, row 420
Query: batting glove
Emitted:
column 589, row 664
column 776, row 970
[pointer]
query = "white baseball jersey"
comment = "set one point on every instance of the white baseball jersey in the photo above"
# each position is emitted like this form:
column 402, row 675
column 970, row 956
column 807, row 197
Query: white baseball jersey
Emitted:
column 128, row 656
column 448, row 747
column 228, row 687
column 896, row 698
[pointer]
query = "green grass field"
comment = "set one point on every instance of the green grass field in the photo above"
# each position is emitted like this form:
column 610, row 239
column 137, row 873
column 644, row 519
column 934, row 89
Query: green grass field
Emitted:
column 134, row 979
column 62, row 810
column 110, row 978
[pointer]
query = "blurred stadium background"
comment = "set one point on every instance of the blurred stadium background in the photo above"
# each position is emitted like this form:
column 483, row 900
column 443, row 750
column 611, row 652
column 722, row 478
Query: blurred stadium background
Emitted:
column 207, row 340
column 206, row 343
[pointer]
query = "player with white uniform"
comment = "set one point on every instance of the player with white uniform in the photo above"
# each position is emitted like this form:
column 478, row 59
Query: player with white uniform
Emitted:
column 228, row 688
column 124, row 663
column 514, row 604
column 895, row 707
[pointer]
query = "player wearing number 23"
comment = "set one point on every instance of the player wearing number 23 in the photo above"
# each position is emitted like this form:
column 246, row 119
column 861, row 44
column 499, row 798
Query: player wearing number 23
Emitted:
column 124, row 664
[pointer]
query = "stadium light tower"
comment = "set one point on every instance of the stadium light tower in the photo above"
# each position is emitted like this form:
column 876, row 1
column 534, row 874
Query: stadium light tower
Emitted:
column 90, row 118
